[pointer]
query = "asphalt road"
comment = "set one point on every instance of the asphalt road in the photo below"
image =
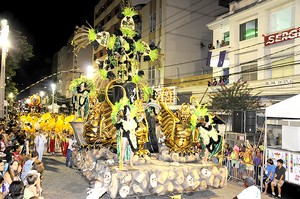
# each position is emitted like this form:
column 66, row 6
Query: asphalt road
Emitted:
column 62, row 182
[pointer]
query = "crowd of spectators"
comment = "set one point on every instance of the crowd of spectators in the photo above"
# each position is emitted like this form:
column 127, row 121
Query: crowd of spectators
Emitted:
column 21, row 172
column 245, row 161
column 221, row 82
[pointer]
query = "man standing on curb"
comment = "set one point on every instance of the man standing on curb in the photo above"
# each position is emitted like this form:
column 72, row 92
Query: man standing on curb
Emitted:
column 72, row 141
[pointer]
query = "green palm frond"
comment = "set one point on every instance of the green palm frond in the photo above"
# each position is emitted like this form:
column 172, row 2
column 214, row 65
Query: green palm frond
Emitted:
column 140, row 47
column 130, row 12
column 76, row 83
column 103, row 73
column 153, row 54
column 92, row 35
column 111, row 42
column 148, row 92
column 128, row 32
column 136, row 79
column 117, row 107
column 133, row 110
column 199, row 112
column 126, row 45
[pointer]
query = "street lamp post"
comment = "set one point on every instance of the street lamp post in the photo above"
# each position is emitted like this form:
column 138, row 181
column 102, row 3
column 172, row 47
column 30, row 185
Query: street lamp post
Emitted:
column 42, row 94
column 53, row 90
column 11, row 97
column 4, row 45
column 89, row 72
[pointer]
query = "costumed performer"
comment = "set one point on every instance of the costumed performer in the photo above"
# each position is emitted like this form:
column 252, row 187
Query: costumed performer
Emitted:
column 52, row 142
column 210, row 137
column 40, row 142
column 127, row 127
column 80, row 100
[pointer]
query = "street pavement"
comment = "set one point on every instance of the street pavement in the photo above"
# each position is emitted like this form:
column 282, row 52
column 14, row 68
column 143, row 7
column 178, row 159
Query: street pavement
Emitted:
column 62, row 182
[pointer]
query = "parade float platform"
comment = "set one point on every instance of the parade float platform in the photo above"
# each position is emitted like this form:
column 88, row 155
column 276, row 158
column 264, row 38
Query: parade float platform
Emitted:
column 148, row 176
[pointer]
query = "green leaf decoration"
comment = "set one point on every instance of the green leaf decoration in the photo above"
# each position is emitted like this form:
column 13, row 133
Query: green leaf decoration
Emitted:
column 118, row 107
column 92, row 35
column 113, row 115
column 124, row 101
column 113, row 61
column 128, row 32
column 76, row 82
column 126, row 45
column 193, row 122
column 153, row 54
column 111, row 42
column 203, row 110
column 200, row 111
column 103, row 73
column 133, row 110
column 148, row 91
column 130, row 12
column 140, row 47
column 211, row 117
column 136, row 79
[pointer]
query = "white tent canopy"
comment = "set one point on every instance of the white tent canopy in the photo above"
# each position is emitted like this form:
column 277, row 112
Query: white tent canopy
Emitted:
column 289, row 108
column 285, row 114
column 56, row 107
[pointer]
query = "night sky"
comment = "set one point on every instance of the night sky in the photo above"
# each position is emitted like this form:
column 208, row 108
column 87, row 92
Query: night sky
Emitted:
column 47, row 26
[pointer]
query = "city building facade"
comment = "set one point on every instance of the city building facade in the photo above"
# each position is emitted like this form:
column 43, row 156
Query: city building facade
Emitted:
column 70, row 66
column 178, row 29
column 261, row 45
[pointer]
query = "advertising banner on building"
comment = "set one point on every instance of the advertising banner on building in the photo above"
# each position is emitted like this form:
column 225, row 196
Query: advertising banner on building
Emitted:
column 282, row 36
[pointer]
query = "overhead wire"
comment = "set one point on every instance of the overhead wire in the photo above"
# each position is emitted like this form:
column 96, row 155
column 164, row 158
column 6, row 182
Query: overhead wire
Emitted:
column 205, row 79
column 169, row 64
column 164, row 20
column 56, row 73
column 262, row 57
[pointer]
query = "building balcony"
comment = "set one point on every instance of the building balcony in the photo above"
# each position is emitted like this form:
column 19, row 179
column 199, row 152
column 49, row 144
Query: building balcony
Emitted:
column 215, row 56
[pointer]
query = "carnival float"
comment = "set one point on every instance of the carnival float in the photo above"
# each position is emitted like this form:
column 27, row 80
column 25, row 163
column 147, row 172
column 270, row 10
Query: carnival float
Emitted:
column 118, row 149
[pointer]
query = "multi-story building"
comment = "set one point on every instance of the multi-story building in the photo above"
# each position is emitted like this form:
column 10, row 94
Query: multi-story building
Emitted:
column 178, row 29
column 61, row 66
column 71, row 66
column 261, row 45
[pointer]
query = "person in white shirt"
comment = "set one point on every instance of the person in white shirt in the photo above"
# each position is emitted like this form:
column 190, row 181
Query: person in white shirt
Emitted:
column 40, row 142
column 251, row 191
column 72, row 141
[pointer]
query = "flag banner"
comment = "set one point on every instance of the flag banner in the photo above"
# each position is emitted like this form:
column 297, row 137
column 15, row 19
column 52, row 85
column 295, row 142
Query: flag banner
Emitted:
column 217, row 59
column 221, row 58
column 208, row 58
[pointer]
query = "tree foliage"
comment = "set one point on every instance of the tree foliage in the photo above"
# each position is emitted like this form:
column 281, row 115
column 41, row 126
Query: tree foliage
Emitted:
column 235, row 97
column 19, row 52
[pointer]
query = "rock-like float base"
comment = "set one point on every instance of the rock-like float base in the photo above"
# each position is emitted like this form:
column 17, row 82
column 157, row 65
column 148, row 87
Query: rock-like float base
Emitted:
column 148, row 176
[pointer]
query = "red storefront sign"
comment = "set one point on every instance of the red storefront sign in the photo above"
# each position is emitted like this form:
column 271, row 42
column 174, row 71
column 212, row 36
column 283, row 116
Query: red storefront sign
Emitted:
column 282, row 36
